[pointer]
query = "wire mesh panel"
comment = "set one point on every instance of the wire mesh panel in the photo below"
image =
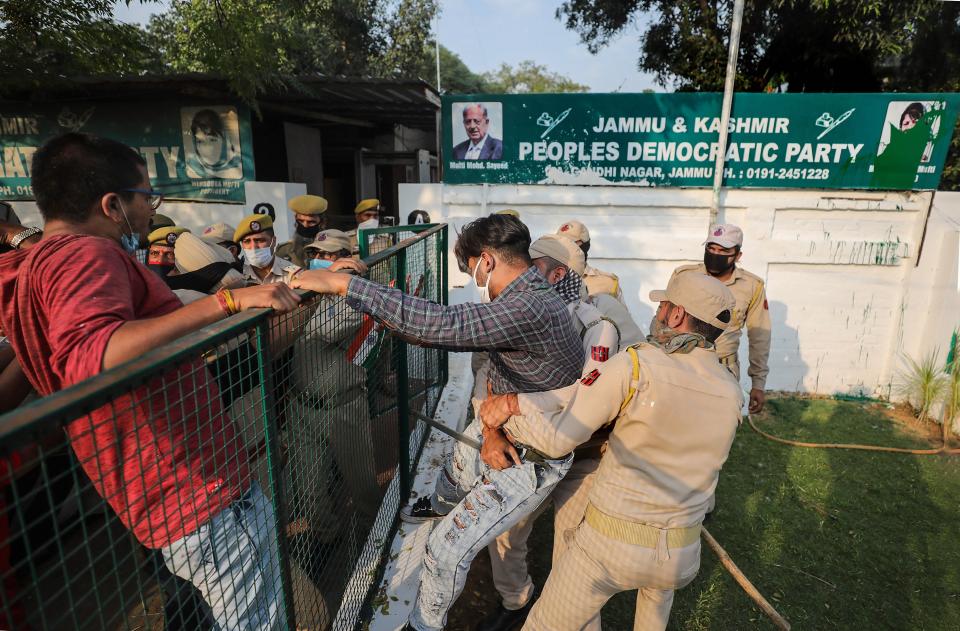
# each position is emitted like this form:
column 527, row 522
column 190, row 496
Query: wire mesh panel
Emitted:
column 245, row 476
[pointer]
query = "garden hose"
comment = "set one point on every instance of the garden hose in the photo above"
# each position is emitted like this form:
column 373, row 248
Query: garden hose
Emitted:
column 942, row 449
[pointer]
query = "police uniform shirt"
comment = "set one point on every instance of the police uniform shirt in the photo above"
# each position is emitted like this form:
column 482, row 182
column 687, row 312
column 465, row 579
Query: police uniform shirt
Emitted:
column 600, row 282
column 752, row 311
column 281, row 271
column 665, row 451
column 617, row 312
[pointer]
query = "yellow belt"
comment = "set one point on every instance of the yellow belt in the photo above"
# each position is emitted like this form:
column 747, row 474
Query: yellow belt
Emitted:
column 639, row 534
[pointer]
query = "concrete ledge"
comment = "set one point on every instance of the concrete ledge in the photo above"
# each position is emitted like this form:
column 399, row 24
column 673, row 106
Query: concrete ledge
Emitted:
column 398, row 590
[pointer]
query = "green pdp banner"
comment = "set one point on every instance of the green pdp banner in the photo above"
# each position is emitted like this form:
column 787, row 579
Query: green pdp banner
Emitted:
column 193, row 151
column 833, row 141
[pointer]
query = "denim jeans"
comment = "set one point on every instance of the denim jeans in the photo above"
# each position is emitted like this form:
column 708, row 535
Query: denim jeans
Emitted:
column 233, row 560
column 479, row 503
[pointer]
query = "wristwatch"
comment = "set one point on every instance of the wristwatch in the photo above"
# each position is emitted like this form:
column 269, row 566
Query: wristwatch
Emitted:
column 20, row 237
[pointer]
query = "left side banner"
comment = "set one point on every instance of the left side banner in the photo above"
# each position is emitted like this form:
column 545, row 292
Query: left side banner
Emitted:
column 193, row 151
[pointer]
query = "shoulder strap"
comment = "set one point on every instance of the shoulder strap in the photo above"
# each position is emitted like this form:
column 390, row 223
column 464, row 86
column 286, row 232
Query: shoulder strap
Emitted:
column 635, row 380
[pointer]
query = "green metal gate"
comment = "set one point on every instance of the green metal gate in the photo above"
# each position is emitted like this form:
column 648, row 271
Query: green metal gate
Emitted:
column 315, row 406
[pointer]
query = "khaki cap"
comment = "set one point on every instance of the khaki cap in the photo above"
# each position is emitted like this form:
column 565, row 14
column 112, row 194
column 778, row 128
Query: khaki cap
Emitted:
column 508, row 211
column 701, row 295
column 161, row 221
column 165, row 236
column 252, row 224
column 561, row 249
column 330, row 241
column 308, row 205
column 365, row 205
column 218, row 233
column 725, row 235
column 576, row 231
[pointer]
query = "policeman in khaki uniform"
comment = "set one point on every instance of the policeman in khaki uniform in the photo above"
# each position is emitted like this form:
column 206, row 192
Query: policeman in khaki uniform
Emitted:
column 675, row 411
column 258, row 245
column 597, row 281
column 329, row 246
column 161, row 256
column 720, row 258
column 309, row 219
column 561, row 262
column 367, row 214
column 331, row 387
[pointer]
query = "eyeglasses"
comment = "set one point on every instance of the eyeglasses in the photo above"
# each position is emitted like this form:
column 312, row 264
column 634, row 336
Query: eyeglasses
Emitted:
column 154, row 198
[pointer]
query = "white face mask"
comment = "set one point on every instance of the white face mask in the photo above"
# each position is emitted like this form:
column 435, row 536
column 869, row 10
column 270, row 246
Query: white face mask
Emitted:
column 368, row 224
column 259, row 257
column 485, row 290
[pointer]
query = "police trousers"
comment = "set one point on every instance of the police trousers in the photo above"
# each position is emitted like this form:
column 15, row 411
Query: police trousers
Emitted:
column 595, row 567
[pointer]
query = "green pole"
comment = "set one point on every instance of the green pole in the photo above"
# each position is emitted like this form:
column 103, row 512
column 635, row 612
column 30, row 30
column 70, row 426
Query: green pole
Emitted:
column 274, row 465
column 403, row 389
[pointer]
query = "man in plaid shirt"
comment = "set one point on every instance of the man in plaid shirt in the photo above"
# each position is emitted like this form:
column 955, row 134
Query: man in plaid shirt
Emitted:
column 527, row 329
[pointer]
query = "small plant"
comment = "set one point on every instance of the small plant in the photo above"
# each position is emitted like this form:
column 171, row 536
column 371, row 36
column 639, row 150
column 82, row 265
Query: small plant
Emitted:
column 923, row 383
column 951, row 397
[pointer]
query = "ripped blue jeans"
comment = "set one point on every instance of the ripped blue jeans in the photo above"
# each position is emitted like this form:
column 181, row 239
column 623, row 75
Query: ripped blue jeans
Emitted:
column 480, row 503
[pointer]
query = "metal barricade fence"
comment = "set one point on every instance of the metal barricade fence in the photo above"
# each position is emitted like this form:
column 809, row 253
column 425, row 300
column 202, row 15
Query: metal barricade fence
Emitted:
column 286, row 435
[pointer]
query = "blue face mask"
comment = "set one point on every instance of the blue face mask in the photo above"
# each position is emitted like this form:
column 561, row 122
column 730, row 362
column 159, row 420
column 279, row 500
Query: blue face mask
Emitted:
column 129, row 242
column 320, row 264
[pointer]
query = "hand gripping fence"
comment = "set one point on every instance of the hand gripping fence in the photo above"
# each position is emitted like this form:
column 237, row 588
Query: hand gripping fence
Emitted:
column 248, row 475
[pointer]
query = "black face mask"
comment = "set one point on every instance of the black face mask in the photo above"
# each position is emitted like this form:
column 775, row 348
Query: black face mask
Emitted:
column 718, row 264
column 307, row 233
column 202, row 280
column 160, row 269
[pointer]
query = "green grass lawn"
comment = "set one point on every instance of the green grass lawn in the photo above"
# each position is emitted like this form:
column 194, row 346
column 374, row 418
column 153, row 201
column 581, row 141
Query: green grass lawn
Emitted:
column 834, row 539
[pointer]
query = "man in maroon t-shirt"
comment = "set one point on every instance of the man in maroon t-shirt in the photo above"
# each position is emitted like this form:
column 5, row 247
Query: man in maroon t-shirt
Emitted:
column 165, row 456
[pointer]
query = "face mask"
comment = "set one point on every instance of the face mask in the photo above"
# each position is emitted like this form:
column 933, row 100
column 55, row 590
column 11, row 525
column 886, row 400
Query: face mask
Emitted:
column 307, row 233
column 718, row 264
column 161, row 269
column 259, row 257
column 485, row 290
column 319, row 264
column 368, row 224
column 129, row 242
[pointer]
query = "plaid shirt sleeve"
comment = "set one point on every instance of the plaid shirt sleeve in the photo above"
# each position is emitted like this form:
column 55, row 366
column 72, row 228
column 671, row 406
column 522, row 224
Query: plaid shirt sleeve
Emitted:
column 513, row 323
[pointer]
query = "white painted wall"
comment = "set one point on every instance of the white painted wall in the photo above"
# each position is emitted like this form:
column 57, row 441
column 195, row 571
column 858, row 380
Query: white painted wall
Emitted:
column 844, row 305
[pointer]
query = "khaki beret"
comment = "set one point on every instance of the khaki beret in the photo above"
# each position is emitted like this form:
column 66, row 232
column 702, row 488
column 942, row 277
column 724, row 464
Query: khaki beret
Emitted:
column 165, row 236
column 508, row 211
column 218, row 233
column 561, row 249
column 252, row 224
column 576, row 231
column 308, row 205
column 330, row 241
column 365, row 205
column 700, row 295
column 161, row 221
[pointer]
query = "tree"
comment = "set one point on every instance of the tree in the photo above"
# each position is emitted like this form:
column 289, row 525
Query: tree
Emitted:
column 809, row 45
column 43, row 42
column 455, row 76
column 260, row 44
column 529, row 77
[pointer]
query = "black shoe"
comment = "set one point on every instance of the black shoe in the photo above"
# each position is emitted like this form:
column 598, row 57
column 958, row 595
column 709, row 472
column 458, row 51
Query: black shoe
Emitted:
column 421, row 511
column 506, row 619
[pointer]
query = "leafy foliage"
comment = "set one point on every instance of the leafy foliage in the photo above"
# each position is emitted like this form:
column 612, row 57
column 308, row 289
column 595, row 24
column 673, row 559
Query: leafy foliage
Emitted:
column 43, row 42
column 529, row 77
column 258, row 44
